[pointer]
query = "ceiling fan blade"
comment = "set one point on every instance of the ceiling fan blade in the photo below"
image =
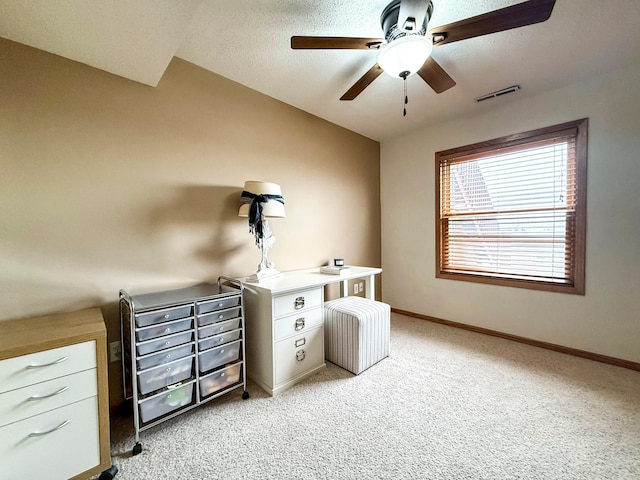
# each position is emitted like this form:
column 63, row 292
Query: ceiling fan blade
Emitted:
column 435, row 76
column 347, row 43
column 519, row 15
column 363, row 83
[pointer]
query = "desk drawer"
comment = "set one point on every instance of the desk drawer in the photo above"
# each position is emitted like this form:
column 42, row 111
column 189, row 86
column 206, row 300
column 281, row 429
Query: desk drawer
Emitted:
column 298, row 323
column 39, row 398
column 68, row 450
column 297, row 355
column 38, row 367
column 297, row 302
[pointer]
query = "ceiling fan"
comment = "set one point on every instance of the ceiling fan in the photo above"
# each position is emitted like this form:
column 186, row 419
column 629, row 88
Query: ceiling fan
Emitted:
column 406, row 46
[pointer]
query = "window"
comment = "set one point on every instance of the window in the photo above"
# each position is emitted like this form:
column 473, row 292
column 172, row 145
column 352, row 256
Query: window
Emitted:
column 512, row 211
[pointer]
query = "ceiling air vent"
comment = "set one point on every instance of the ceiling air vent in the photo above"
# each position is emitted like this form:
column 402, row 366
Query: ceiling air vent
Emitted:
column 497, row 94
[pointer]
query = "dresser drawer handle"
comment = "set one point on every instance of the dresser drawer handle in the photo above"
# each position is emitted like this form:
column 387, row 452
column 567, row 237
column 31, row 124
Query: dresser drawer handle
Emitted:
column 56, row 362
column 39, row 434
column 299, row 303
column 299, row 324
column 166, row 315
column 300, row 355
column 221, row 316
column 300, row 342
column 221, row 304
column 41, row 397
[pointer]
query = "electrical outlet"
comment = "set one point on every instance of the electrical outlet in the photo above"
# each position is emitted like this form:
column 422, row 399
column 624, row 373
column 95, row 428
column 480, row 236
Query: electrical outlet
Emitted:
column 355, row 288
column 361, row 287
column 115, row 351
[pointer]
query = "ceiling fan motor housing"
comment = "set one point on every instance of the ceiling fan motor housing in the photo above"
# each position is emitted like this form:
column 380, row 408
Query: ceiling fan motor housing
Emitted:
column 389, row 19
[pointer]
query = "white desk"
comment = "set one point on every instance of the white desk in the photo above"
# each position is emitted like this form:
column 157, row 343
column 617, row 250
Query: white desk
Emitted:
column 284, row 320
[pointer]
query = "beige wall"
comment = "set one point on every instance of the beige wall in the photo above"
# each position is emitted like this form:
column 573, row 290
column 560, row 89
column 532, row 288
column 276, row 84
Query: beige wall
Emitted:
column 107, row 184
column 607, row 319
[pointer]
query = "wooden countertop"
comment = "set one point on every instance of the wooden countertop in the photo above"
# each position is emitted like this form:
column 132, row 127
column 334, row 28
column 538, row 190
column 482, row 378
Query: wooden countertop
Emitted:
column 29, row 335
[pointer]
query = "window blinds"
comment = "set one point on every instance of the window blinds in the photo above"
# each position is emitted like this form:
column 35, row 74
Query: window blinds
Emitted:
column 511, row 212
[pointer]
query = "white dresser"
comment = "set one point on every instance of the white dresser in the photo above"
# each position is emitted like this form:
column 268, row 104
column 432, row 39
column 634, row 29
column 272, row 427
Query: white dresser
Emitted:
column 54, row 413
column 284, row 318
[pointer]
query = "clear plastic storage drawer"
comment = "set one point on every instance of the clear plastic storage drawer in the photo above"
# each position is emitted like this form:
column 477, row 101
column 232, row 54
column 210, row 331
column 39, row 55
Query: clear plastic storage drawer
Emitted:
column 219, row 327
column 166, row 402
column 152, row 346
column 218, row 316
column 219, row 304
column 218, row 340
column 220, row 380
column 164, row 375
column 161, row 329
column 216, row 357
column 165, row 356
column 164, row 315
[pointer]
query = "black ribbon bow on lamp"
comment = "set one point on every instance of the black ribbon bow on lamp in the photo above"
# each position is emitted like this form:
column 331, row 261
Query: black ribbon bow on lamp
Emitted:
column 256, row 215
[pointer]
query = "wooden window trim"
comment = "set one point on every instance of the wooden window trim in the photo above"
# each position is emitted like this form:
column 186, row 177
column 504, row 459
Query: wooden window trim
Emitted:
column 580, row 127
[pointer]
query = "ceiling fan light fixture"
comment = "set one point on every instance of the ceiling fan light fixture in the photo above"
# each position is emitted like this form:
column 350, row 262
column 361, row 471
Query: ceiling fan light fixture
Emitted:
column 404, row 54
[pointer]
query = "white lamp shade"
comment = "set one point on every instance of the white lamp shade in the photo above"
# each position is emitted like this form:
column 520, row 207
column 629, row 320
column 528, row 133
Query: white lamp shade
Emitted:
column 271, row 208
column 404, row 54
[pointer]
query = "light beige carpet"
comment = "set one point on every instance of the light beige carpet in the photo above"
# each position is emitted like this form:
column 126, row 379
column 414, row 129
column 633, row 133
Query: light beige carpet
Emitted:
column 447, row 404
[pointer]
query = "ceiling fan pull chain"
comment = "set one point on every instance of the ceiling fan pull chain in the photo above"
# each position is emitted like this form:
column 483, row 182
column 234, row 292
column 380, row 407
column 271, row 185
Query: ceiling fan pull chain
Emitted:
column 406, row 98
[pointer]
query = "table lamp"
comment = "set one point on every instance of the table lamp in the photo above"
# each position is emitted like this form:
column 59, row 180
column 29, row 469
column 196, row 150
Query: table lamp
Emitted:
column 259, row 201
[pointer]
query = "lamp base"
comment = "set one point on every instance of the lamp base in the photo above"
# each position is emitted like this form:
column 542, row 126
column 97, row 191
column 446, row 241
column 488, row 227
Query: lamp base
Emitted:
column 263, row 274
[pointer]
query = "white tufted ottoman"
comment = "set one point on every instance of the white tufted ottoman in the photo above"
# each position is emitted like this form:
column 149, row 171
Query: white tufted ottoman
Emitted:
column 356, row 332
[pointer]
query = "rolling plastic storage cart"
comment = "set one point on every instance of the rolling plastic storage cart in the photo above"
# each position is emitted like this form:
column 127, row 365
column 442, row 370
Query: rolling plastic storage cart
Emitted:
column 181, row 348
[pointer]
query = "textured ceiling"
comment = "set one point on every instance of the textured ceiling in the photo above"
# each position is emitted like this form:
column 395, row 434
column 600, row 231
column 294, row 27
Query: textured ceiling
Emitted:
column 248, row 41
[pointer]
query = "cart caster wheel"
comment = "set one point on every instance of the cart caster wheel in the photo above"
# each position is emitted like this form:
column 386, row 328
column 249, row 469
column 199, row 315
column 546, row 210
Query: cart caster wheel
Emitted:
column 245, row 395
column 109, row 473
column 137, row 448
